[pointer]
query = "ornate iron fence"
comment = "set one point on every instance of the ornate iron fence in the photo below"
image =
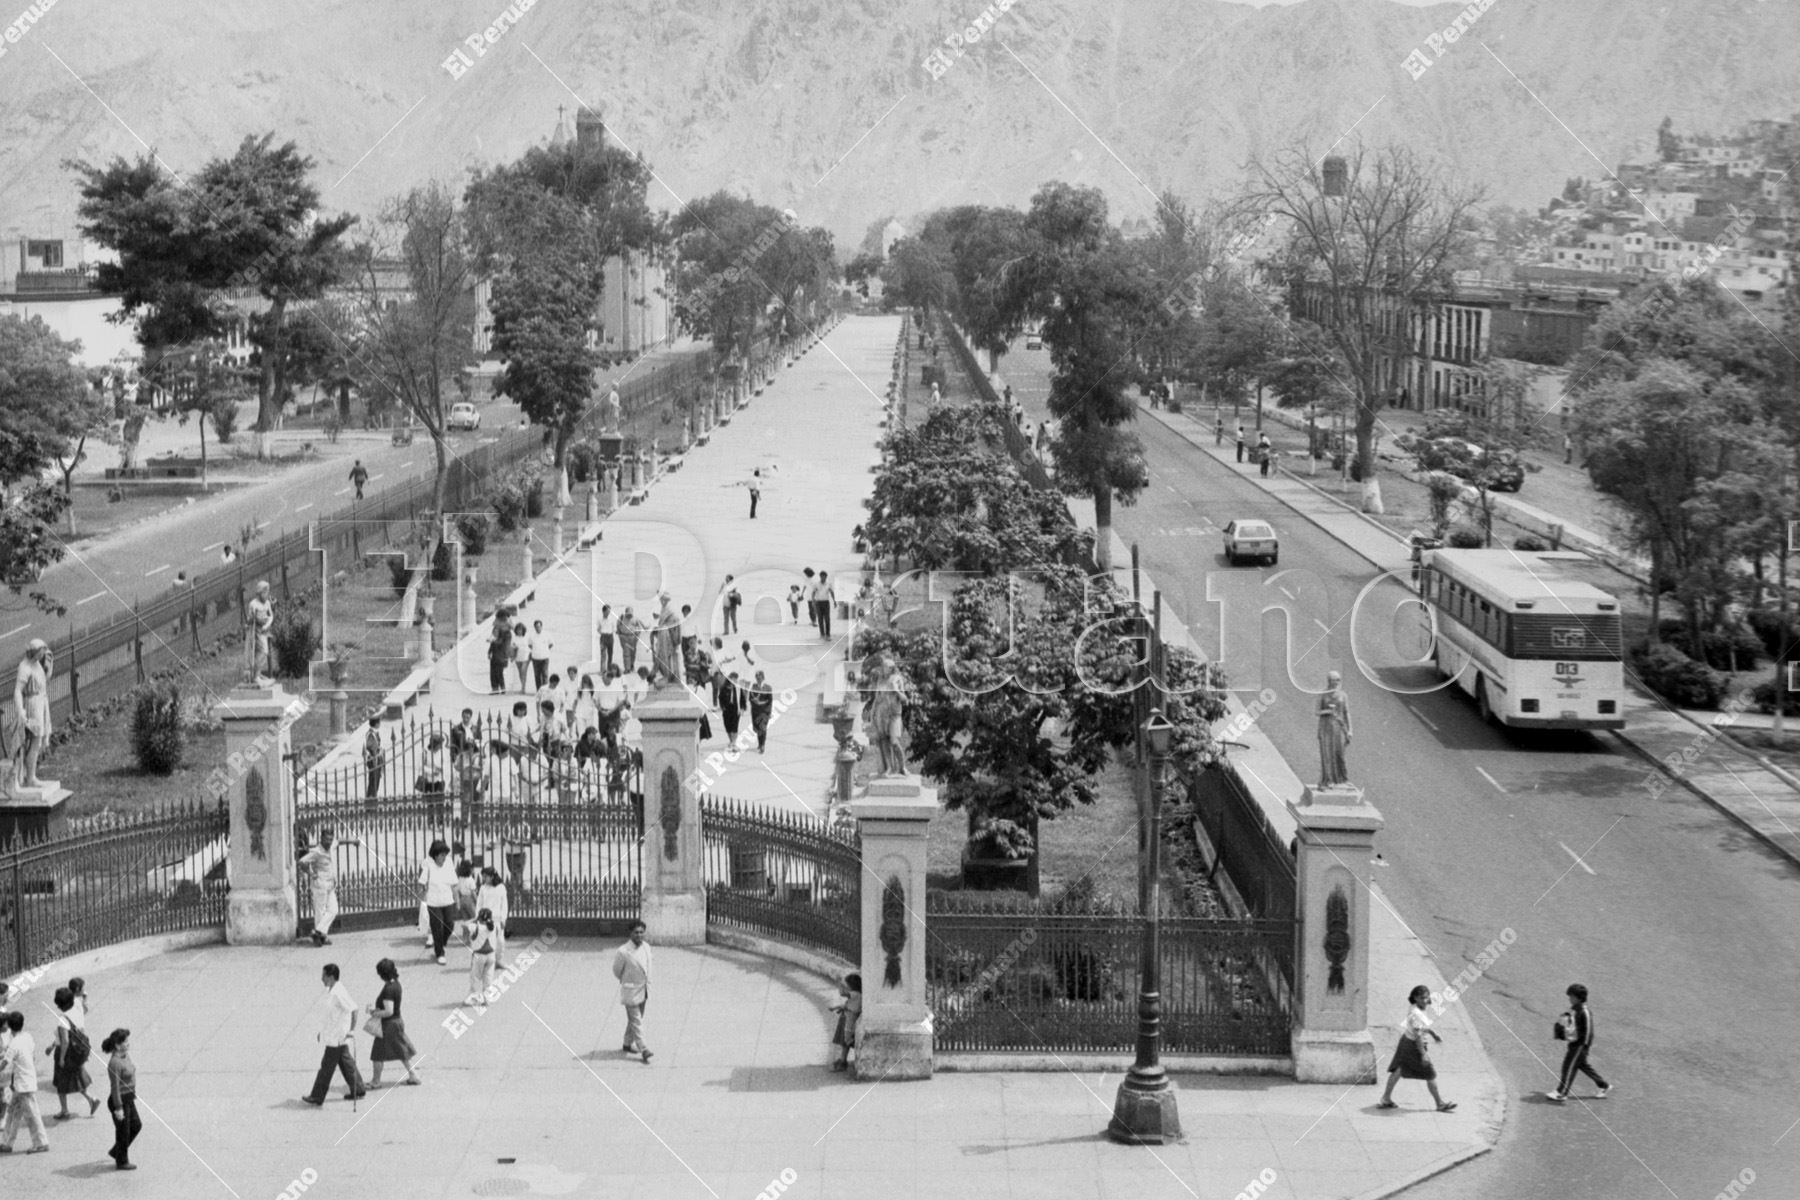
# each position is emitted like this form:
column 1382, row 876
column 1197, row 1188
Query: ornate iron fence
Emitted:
column 1024, row 979
column 1244, row 843
column 786, row 875
column 156, row 872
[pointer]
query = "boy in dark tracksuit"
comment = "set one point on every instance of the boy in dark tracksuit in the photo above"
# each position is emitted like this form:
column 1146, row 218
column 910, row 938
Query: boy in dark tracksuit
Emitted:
column 1577, row 1026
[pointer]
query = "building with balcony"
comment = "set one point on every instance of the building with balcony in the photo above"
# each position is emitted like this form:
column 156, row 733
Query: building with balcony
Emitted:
column 52, row 277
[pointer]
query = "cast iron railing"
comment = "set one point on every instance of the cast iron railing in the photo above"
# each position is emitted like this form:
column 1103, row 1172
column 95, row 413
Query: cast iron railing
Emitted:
column 786, row 875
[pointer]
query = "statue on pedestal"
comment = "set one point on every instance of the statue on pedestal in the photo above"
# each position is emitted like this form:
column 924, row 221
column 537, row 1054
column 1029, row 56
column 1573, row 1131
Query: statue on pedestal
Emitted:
column 259, row 622
column 31, row 705
column 883, row 713
column 1334, row 733
column 610, row 412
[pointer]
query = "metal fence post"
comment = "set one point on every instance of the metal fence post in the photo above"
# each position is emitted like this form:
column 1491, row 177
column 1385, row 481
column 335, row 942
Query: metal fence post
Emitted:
column 74, row 673
column 20, row 937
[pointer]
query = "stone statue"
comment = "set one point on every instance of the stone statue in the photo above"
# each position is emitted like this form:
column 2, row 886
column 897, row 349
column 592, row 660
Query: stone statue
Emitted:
column 882, row 715
column 610, row 411
column 1334, row 733
column 259, row 622
column 31, row 704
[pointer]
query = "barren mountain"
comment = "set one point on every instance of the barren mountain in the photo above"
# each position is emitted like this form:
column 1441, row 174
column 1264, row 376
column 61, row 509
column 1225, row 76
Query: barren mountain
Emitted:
column 830, row 109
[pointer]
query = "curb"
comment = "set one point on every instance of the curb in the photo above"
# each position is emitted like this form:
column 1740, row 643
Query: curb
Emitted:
column 123, row 953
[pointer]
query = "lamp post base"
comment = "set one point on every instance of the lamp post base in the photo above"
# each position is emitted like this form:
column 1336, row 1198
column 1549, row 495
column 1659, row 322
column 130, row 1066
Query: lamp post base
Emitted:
column 1145, row 1113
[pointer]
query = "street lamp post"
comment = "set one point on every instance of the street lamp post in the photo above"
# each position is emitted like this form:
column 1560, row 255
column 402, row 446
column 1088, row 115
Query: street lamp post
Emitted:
column 1145, row 1112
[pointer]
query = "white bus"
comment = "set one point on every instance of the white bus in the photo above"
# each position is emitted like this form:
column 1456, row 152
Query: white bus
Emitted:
column 1537, row 650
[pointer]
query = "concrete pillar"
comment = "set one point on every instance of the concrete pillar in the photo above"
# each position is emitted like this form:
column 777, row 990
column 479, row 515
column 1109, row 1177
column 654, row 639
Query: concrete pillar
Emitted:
column 527, row 568
column 1332, row 1043
column 893, row 819
column 674, row 876
column 471, row 615
column 262, row 909
column 427, row 651
column 612, row 486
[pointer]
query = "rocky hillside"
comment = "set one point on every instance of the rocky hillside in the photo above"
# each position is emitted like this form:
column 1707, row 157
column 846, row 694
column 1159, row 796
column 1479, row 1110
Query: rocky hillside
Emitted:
column 829, row 108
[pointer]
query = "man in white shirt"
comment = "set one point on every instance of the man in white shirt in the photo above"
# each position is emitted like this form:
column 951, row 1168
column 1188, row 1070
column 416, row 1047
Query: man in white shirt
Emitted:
column 18, row 1073
column 321, row 861
column 607, row 628
column 631, row 967
column 539, row 645
column 610, row 694
column 337, row 1026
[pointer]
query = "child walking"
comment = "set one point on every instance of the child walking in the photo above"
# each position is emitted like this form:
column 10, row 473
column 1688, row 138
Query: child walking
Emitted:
column 1410, row 1057
column 849, row 1011
column 1577, row 1028
column 482, row 953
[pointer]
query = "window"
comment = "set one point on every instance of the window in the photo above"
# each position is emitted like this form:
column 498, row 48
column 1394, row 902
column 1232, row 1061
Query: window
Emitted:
column 50, row 254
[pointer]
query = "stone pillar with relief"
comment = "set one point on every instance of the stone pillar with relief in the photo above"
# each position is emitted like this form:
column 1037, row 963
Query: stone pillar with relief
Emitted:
column 673, row 865
column 1331, row 1042
column 262, row 909
column 893, row 819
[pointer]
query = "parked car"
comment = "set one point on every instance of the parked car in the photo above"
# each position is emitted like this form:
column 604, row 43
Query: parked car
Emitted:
column 1466, row 460
column 1251, row 539
column 463, row 416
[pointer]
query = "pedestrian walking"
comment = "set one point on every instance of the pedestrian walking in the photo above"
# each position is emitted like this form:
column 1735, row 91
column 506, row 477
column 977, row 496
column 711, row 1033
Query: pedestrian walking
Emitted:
column 70, row 1054
column 1576, row 1027
column 492, row 898
column 321, row 864
column 821, row 594
column 462, row 893
column 631, row 967
column 734, row 599
column 762, row 704
column 731, row 698
column 806, row 588
column 608, row 629
column 391, row 1042
column 1263, row 450
column 359, row 475
column 1218, row 431
column 849, row 1010
column 483, row 954
column 121, row 1098
column 19, row 1079
column 374, row 758
column 628, row 641
column 793, row 600
column 1411, row 1059
column 521, row 652
column 1568, row 449
column 1240, row 442
column 539, row 646
column 1267, row 459
column 438, row 878
column 755, row 495
column 337, row 1031
column 500, row 651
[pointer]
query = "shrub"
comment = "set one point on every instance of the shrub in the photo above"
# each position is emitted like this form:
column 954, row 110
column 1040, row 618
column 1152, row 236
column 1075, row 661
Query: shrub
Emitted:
column 334, row 425
column 1721, row 649
column 1465, row 539
column 534, row 497
column 1529, row 544
column 443, row 563
column 1764, row 694
column 294, row 641
column 1772, row 632
column 1677, row 678
column 473, row 529
column 224, row 420
column 399, row 572
column 509, row 508
column 156, row 737
column 583, row 460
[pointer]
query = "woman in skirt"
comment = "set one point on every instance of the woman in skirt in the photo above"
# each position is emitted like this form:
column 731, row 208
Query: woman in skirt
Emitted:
column 70, row 1052
column 392, row 1045
column 1410, row 1058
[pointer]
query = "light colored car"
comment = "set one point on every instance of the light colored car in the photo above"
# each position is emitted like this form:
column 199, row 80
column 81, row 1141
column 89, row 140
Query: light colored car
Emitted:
column 463, row 416
column 1251, row 539
column 1034, row 341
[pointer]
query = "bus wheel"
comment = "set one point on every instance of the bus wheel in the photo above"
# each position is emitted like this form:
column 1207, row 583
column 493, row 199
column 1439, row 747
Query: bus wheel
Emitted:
column 1481, row 701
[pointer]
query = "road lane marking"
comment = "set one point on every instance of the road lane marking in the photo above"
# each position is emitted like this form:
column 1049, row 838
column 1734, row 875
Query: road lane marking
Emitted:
column 403, row 465
column 158, row 570
column 1429, row 723
column 341, row 492
column 262, row 524
column 214, row 546
column 95, row 596
column 305, row 506
column 20, row 629
column 1491, row 780
column 1572, row 854
column 373, row 478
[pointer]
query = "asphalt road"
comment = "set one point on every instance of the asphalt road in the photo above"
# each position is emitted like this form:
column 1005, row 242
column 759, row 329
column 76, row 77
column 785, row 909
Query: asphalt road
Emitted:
column 1681, row 924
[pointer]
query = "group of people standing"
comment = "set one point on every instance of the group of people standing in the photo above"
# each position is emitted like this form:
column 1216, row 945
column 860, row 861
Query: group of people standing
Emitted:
column 70, row 1051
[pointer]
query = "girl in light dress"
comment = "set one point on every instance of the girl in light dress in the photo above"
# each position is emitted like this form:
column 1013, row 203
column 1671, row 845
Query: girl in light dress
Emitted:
column 491, row 899
column 484, row 953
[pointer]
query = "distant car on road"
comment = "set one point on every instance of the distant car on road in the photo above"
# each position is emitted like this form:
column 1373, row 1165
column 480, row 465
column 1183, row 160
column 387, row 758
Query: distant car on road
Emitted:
column 1251, row 539
column 464, row 416
column 1034, row 341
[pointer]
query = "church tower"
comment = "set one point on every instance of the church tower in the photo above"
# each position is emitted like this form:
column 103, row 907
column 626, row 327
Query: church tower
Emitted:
column 590, row 129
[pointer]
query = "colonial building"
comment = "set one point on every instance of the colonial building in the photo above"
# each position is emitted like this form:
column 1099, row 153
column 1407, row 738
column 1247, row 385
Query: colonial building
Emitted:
column 634, row 314
column 52, row 277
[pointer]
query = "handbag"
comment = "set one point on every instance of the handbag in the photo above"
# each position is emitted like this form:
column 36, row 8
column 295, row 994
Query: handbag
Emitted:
column 372, row 1026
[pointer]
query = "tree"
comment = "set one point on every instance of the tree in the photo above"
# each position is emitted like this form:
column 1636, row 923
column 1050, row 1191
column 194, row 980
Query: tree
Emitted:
column 201, row 381
column 541, row 333
column 1082, row 281
column 917, row 274
column 1240, row 340
column 1372, row 260
column 417, row 342
column 246, row 223
column 725, row 276
column 1668, row 146
column 46, row 398
column 981, row 245
column 1481, row 449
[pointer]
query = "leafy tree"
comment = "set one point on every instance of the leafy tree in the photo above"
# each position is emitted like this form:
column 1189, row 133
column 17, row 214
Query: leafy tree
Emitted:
column 725, row 276
column 201, row 381
column 47, row 399
column 417, row 344
column 1479, row 448
column 244, row 223
column 1376, row 255
column 1080, row 278
column 917, row 274
column 981, row 245
column 541, row 332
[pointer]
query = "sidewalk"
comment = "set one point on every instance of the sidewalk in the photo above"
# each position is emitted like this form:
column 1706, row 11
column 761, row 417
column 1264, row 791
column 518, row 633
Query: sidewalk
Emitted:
column 533, row 1098
column 1725, row 775
column 813, row 433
